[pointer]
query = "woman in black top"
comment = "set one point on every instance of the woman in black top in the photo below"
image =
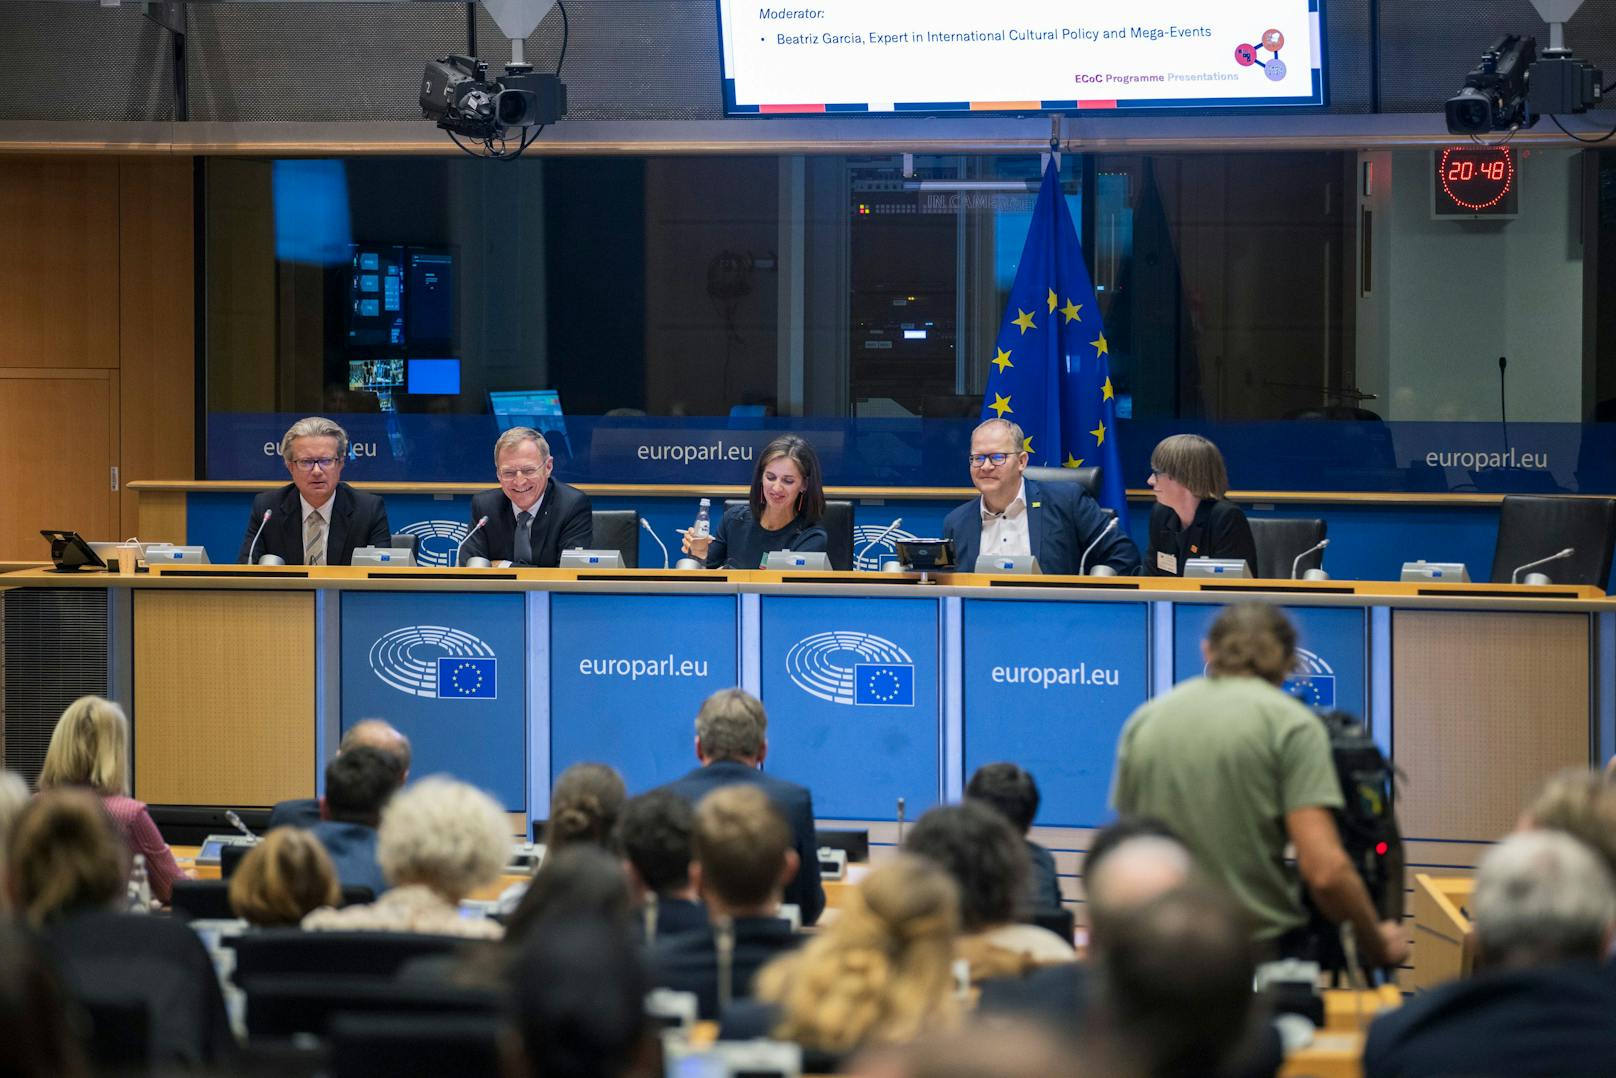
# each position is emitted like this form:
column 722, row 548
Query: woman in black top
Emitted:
column 783, row 512
column 1192, row 519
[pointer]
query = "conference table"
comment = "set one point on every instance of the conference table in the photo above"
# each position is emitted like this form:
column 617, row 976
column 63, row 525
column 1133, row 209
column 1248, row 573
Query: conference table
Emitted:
column 884, row 690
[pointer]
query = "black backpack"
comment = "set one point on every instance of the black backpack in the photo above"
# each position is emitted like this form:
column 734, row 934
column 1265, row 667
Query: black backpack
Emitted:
column 1367, row 823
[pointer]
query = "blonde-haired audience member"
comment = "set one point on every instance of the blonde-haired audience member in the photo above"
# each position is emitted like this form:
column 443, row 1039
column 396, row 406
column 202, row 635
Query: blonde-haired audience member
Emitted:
column 90, row 747
column 1582, row 803
column 440, row 840
column 882, row 972
column 13, row 798
column 283, row 879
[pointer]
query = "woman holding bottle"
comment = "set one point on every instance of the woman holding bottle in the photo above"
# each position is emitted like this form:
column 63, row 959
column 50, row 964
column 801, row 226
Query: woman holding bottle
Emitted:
column 782, row 512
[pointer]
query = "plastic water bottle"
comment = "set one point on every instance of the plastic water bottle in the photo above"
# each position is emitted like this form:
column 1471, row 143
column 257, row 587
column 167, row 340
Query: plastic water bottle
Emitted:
column 139, row 886
column 703, row 527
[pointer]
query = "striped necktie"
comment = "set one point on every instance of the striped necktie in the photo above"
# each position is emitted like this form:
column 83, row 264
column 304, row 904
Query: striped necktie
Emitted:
column 314, row 539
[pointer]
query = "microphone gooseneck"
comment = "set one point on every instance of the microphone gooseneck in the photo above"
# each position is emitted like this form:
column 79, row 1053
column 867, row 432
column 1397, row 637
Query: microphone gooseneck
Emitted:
column 1515, row 577
column 1315, row 548
column 474, row 530
column 890, row 528
column 262, row 524
column 646, row 524
column 1083, row 565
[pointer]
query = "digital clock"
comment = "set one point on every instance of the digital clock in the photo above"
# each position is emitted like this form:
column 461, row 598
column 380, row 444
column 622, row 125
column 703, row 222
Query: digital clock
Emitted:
column 1475, row 181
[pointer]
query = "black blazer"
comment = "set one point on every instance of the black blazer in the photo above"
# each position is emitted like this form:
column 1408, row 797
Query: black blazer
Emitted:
column 1219, row 530
column 357, row 519
column 1062, row 520
column 794, row 802
column 564, row 522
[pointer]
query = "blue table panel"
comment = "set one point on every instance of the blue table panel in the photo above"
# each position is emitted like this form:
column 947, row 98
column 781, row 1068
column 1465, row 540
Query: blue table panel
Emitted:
column 628, row 674
column 1333, row 665
column 851, row 688
column 450, row 671
column 1048, row 685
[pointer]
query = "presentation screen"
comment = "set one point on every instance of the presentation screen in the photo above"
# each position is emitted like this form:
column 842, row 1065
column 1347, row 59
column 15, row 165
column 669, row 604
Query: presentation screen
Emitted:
column 797, row 57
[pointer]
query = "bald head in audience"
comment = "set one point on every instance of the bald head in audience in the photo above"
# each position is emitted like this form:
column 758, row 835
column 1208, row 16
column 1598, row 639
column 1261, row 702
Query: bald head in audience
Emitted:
column 379, row 734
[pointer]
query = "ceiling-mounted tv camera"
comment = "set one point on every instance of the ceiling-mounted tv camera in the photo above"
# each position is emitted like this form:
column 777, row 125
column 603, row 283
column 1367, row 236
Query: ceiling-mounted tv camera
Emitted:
column 1513, row 86
column 457, row 93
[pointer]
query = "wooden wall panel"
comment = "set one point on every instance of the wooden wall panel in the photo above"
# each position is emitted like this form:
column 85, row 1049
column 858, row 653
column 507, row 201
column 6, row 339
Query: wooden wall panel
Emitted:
column 58, row 438
column 1485, row 705
column 59, row 270
column 156, row 328
column 224, row 697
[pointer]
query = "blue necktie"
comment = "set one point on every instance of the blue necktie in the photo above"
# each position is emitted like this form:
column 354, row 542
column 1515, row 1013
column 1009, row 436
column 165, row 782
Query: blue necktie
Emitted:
column 524, row 539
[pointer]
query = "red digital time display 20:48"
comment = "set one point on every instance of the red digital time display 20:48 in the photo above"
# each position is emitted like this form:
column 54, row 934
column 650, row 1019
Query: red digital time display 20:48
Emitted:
column 1475, row 180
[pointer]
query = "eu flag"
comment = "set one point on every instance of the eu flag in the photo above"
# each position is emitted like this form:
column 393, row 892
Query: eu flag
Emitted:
column 884, row 684
column 464, row 677
column 1050, row 373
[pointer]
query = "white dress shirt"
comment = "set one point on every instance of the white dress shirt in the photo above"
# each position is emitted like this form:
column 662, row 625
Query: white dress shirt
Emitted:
column 1006, row 533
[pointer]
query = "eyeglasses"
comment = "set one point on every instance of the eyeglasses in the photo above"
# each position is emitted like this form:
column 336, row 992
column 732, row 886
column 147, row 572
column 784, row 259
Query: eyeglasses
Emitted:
column 982, row 460
column 529, row 472
column 308, row 464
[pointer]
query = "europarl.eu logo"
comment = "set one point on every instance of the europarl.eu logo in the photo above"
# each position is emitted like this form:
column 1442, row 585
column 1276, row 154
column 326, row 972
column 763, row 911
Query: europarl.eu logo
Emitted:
column 1314, row 681
column 853, row 668
column 436, row 662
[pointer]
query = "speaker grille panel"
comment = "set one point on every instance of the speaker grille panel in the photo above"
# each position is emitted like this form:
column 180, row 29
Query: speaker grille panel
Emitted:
column 55, row 652
column 84, row 62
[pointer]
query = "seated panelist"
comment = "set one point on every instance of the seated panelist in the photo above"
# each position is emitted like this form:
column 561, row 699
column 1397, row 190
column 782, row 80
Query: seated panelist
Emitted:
column 1054, row 522
column 1192, row 518
column 316, row 519
column 532, row 518
column 782, row 512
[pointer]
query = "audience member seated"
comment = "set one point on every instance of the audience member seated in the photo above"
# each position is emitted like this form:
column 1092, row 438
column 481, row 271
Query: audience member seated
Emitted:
column 1582, row 803
column 13, row 797
column 305, row 812
column 1014, row 793
column 654, row 834
column 1540, row 1003
column 283, row 879
column 584, row 806
column 90, row 747
column 40, row 1027
column 731, row 743
column 880, row 973
column 988, row 860
column 440, row 840
column 358, row 785
column 69, row 874
column 578, row 1005
column 743, row 857
column 1173, row 992
column 581, row 880
column 1130, row 861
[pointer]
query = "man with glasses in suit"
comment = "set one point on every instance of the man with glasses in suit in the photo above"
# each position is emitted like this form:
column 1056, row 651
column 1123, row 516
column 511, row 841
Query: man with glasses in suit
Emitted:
column 316, row 519
column 532, row 518
column 1055, row 522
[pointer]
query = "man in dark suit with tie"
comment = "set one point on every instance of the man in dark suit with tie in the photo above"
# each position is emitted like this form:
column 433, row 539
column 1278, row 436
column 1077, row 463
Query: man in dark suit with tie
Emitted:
column 316, row 519
column 1054, row 522
column 532, row 518
column 731, row 745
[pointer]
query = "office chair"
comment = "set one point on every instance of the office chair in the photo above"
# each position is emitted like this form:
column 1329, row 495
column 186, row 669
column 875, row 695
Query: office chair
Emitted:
column 1280, row 539
column 202, row 900
column 284, row 1004
column 292, row 950
column 619, row 530
column 380, row 1045
column 1530, row 528
column 1089, row 477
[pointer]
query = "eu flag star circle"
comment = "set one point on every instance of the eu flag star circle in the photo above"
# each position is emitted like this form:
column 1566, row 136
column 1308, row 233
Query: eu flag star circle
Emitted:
column 888, row 692
column 461, row 668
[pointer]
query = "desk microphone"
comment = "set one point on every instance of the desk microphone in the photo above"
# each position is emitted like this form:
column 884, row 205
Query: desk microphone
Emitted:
column 646, row 524
column 235, row 821
column 1083, row 565
column 474, row 529
column 890, row 528
column 262, row 524
column 900, row 821
column 1315, row 548
column 1515, row 577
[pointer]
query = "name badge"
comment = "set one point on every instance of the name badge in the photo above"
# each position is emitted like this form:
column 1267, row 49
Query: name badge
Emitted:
column 1167, row 563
